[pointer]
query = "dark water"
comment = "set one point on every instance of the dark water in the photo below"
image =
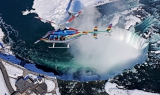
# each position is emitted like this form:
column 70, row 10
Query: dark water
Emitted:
column 27, row 31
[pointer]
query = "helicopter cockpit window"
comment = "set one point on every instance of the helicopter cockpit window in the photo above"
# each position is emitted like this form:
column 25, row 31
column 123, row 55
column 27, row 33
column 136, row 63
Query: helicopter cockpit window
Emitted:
column 51, row 37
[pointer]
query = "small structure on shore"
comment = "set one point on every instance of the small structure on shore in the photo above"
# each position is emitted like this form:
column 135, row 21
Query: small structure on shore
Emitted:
column 28, row 86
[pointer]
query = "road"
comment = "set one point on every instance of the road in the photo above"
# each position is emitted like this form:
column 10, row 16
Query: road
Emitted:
column 6, row 78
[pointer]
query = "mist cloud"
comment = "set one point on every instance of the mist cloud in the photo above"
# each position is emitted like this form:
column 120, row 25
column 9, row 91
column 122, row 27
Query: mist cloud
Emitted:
column 108, row 55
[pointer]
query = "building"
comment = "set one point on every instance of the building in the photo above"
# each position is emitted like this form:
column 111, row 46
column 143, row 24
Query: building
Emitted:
column 28, row 86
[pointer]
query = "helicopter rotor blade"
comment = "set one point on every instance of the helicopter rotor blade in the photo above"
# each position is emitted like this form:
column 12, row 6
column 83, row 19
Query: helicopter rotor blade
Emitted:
column 73, row 17
column 70, row 20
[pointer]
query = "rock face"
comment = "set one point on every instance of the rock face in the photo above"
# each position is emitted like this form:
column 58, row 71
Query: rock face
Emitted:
column 82, row 88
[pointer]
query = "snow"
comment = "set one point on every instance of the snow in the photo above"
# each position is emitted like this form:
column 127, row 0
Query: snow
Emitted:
column 1, row 35
column 50, row 10
column 27, row 12
column 3, row 88
column 49, row 94
column 77, row 5
column 57, row 91
column 13, row 81
column 33, row 94
column 131, row 21
column 50, row 85
column 158, row 51
column 32, row 76
column 111, row 89
column 5, row 47
column 58, row 11
column 10, row 68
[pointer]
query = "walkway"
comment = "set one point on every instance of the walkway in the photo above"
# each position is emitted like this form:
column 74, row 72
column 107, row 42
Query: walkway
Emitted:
column 6, row 78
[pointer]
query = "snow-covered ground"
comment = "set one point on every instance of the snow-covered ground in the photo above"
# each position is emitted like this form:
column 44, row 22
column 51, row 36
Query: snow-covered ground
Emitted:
column 12, row 71
column 50, row 85
column 32, row 76
column 49, row 94
column 58, row 11
column 111, row 89
column 3, row 46
column 3, row 88
column 1, row 36
column 13, row 81
column 131, row 21
column 57, row 91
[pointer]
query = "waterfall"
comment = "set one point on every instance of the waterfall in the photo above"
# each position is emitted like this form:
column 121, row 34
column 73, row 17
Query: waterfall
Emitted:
column 130, row 37
column 110, row 55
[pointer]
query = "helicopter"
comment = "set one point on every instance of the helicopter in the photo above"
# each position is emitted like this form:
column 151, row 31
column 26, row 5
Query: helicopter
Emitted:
column 67, row 34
